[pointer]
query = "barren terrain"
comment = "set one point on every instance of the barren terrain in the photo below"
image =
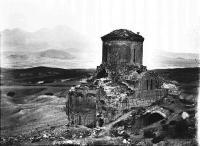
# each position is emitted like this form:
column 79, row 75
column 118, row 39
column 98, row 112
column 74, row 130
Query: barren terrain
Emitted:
column 33, row 105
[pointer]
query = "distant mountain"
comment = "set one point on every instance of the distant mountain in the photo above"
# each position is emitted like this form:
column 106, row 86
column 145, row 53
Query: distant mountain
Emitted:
column 162, row 59
column 48, row 54
column 72, row 58
column 65, row 48
column 56, row 47
column 59, row 54
column 50, row 58
column 60, row 38
column 17, row 56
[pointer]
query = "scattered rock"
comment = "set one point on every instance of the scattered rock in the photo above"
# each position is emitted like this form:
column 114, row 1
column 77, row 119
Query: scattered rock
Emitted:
column 46, row 135
column 185, row 115
column 66, row 142
column 35, row 139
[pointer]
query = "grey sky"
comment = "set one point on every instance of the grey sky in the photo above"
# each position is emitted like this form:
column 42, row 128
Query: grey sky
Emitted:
column 170, row 25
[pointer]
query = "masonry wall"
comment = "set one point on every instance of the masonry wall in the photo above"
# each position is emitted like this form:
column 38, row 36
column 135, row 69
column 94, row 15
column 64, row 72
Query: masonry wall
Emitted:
column 145, row 94
column 81, row 107
column 117, row 52
column 86, row 119
column 142, row 99
column 146, row 97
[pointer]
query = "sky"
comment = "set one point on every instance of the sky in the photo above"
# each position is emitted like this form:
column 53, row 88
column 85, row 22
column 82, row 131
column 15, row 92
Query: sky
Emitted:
column 168, row 25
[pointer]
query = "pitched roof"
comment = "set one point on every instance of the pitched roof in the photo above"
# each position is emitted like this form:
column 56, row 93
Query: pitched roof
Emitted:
column 122, row 34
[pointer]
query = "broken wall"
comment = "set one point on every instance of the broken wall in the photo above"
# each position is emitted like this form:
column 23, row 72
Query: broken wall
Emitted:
column 81, row 106
column 83, row 118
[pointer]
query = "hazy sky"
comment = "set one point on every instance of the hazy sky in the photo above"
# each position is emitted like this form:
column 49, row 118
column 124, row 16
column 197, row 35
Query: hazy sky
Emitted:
column 171, row 25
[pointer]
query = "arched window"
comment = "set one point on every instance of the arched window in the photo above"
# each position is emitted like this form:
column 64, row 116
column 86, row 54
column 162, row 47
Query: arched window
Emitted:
column 134, row 57
column 79, row 120
column 156, row 84
column 151, row 86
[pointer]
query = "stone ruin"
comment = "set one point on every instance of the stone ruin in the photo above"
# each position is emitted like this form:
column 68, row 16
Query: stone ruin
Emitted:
column 119, row 84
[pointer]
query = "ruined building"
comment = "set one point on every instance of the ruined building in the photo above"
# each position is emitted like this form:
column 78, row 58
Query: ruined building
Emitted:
column 120, row 84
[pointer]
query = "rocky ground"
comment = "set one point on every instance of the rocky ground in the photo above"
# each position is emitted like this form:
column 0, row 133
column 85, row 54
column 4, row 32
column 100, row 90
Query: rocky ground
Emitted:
column 35, row 115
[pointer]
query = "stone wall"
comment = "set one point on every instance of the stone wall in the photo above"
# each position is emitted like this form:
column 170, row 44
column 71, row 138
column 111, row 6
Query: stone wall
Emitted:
column 81, row 105
column 83, row 118
column 86, row 105
column 117, row 52
column 125, row 99
column 141, row 99
column 146, row 97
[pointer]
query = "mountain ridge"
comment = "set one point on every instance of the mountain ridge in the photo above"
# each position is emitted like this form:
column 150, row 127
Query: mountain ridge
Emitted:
column 65, row 48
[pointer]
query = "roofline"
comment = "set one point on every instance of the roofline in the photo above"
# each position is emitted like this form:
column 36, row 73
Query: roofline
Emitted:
column 117, row 35
column 121, row 39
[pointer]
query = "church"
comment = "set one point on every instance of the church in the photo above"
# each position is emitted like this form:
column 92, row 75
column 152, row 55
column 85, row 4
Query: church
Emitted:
column 120, row 83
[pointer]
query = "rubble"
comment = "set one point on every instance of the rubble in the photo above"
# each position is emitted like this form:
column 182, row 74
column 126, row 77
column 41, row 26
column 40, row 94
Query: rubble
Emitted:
column 154, row 112
column 66, row 142
column 185, row 115
column 169, row 86
column 121, row 104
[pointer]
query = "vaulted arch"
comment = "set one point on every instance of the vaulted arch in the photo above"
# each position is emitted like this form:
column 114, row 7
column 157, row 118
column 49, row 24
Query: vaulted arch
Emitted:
column 154, row 117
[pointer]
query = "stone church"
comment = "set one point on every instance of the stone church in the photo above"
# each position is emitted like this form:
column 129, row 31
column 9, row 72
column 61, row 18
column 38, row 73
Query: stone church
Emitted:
column 121, row 82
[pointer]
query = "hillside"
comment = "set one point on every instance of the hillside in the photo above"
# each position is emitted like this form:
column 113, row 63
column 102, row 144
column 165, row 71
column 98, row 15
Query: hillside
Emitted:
column 33, row 112
column 187, row 79
column 44, row 74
